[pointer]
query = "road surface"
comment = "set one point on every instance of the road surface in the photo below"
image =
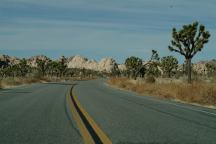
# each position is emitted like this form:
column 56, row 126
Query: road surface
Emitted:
column 38, row 114
column 129, row 118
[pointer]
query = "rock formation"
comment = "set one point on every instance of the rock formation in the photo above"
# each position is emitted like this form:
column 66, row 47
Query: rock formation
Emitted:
column 81, row 62
column 122, row 67
column 200, row 67
column 106, row 64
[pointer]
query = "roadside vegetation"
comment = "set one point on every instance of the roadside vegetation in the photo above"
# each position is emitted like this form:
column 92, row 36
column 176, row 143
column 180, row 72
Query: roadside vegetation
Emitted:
column 11, row 82
column 197, row 92
column 163, row 78
column 45, row 70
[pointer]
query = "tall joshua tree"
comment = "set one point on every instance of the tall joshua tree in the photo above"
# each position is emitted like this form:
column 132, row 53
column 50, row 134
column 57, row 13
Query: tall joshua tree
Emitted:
column 188, row 41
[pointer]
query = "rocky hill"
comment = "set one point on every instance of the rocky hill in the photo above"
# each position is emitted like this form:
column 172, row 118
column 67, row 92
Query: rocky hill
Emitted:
column 200, row 67
column 106, row 64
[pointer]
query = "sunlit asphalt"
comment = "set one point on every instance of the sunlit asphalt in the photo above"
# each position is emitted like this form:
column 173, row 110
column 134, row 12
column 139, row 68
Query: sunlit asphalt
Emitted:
column 130, row 118
column 38, row 114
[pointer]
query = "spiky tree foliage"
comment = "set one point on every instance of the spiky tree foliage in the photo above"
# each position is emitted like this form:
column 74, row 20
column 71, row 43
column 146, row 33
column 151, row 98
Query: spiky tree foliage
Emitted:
column 153, row 70
column 142, row 71
column 155, row 56
column 133, row 64
column 42, row 65
column 23, row 67
column 13, row 70
column 3, row 64
column 188, row 41
column 20, row 69
column 62, row 65
column 115, row 71
column 53, row 68
column 5, row 72
column 152, row 65
column 169, row 64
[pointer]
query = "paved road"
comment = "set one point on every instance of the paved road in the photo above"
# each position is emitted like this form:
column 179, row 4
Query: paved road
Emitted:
column 36, row 114
column 129, row 118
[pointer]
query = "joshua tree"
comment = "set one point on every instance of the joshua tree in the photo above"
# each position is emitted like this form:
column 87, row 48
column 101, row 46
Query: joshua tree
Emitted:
column 42, row 65
column 62, row 65
column 153, row 70
column 133, row 64
column 188, row 41
column 168, row 64
column 53, row 68
column 115, row 71
column 23, row 67
column 152, row 64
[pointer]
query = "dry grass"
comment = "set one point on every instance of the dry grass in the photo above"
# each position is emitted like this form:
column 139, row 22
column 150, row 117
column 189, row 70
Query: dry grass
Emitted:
column 198, row 92
column 11, row 82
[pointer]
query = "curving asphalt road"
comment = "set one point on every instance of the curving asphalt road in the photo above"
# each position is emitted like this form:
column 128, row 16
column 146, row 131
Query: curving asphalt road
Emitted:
column 36, row 114
column 130, row 118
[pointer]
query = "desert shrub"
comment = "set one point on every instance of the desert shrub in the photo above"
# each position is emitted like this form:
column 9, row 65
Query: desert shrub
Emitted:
column 150, row 79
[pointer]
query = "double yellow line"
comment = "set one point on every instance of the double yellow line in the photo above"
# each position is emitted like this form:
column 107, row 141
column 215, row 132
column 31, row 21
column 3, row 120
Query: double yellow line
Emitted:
column 90, row 131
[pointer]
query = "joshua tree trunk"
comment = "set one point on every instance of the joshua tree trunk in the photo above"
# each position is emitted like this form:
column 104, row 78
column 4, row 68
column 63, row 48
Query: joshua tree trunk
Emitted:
column 189, row 69
column 134, row 74
column 169, row 73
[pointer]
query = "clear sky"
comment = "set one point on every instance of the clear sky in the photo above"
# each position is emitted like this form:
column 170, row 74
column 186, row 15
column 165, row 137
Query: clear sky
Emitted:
column 100, row 28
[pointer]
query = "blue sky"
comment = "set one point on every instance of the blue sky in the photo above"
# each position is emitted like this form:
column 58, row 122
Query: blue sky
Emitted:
column 100, row 28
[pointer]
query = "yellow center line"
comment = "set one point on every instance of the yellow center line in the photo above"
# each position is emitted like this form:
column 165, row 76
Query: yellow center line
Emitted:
column 78, row 112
